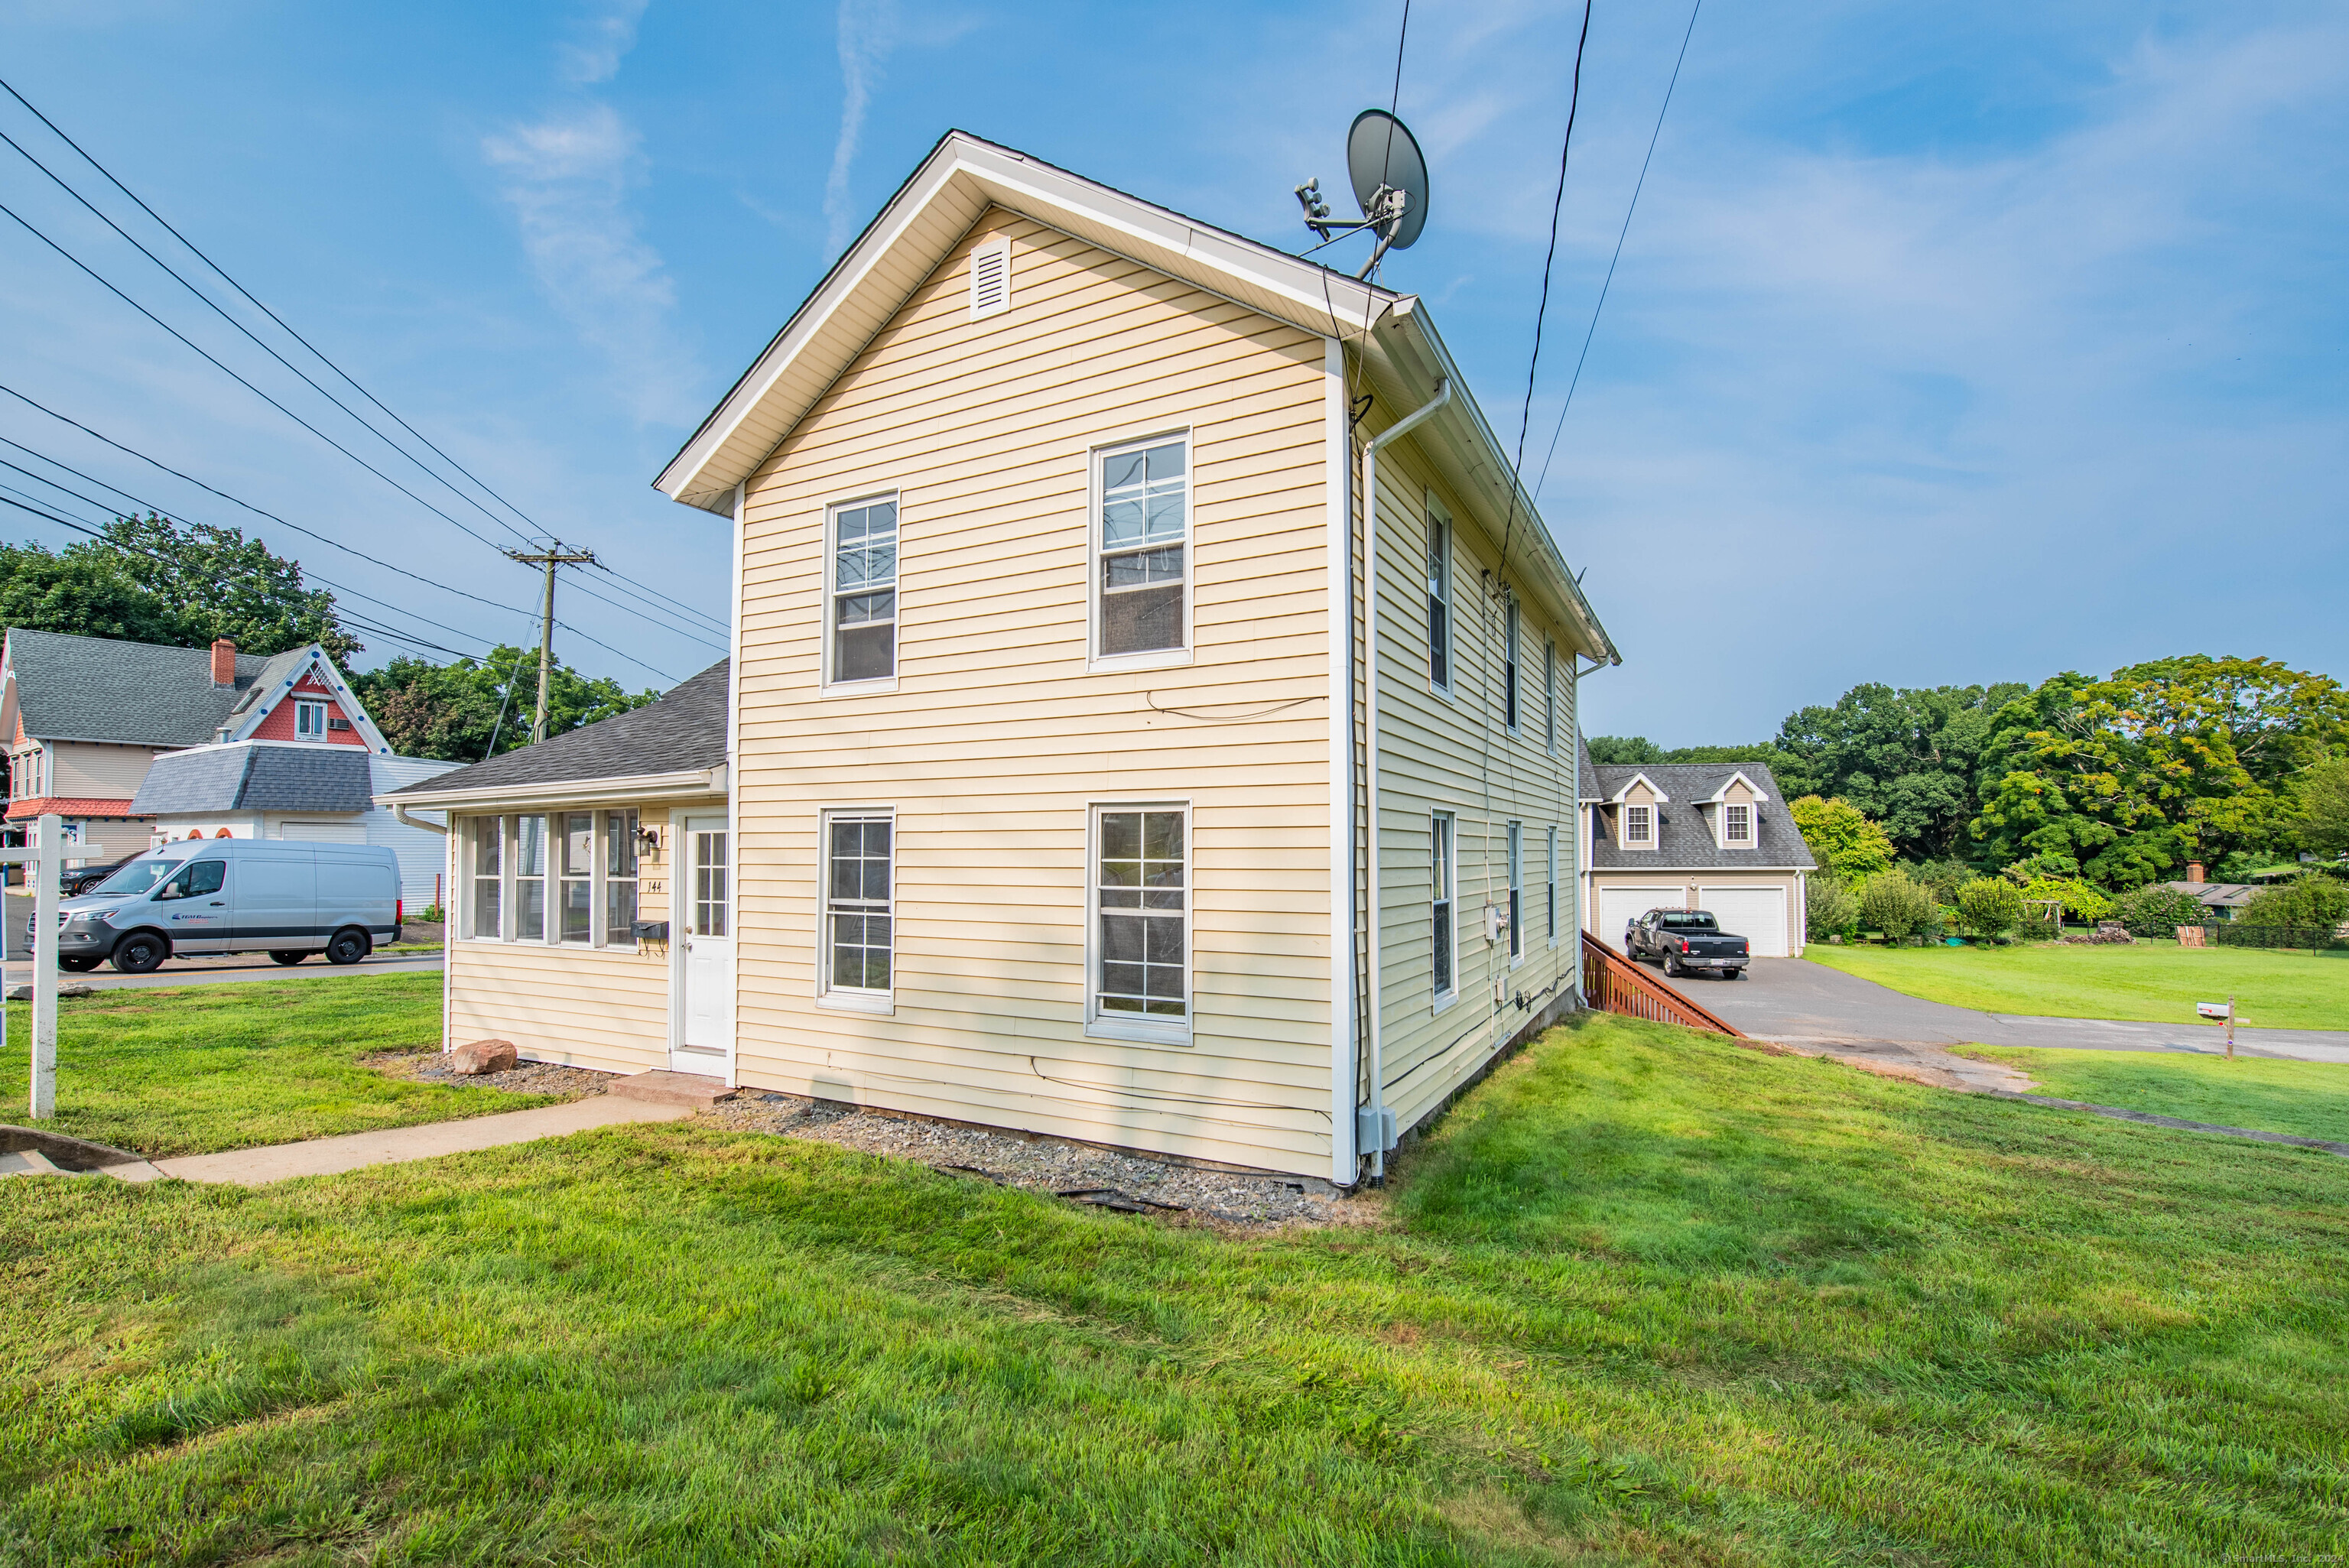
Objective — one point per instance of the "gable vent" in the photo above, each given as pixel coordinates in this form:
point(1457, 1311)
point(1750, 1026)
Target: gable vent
point(990, 278)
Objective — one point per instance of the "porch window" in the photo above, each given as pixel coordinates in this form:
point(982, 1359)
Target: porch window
point(619, 879)
point(489, 884)
point(1142, 968)
point(578, 876)
point(860, 923)
point(1143, 548)
point(862, 592)
point(529, 878)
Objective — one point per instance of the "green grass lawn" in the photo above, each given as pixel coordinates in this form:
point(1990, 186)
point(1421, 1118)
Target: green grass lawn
point(1645, 1297)
point(2157, 982)
point(2309, 1099)
point(207, 1068)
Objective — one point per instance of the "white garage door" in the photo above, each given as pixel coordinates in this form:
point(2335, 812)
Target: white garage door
point(324, 832)
point(1619, 906)
point(1755, 914)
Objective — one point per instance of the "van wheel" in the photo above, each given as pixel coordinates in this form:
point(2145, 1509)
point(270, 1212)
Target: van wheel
point(289, 958)
point(141, 953)
point(349, 946)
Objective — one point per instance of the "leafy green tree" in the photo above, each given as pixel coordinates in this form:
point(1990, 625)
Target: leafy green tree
point(1898, 905)
point(2321, 819)
point(2124, 780)
point(151, 580)
point(1841, 838)
point(454, 711)
point(1906, 758)
point(2083, 901)
point(2157, 910)
point(2317, 901)
point(1990, 906)
point(1638, 749)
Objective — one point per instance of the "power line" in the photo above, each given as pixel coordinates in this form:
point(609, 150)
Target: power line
point(1619, 237)
point(651, 592)
point(1533, 365)
point(678, 631)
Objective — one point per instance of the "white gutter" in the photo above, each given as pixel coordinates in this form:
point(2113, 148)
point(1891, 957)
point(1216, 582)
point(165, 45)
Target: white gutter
point(1401, 427)
point(679, 786)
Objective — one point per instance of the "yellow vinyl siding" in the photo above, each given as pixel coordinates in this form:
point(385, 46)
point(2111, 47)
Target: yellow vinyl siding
point(1440, 753)
point(96, 770)
point(998, 737)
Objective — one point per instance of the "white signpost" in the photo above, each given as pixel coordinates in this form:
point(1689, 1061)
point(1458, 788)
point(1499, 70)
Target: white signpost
point(45, 873)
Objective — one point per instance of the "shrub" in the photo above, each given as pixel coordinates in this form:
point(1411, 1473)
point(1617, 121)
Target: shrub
point(1943, 878)
point(2081, 900)
point(1990, 906)
point(2316, 900)
point(431, 914)
point(1829, 908)
point(1898, 905)
point(2154, 910)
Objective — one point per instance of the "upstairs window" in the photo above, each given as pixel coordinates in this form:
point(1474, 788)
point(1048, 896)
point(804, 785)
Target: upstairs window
point(1142, 546)
point(1549, 696)
point(1509, 664)
point(1439, 604)
point(310, 721)
point(1737, 825)
point(1639, 827)
point(861, 595)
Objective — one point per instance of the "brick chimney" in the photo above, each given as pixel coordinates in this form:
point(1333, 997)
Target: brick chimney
point(224, 667)
point(2194, 871)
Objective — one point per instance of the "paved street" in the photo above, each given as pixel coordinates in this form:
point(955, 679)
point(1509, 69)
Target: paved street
point(233, 968)
point(1799, 1002)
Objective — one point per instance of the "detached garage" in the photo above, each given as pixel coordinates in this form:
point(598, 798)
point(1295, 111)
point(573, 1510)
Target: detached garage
point(1710, 836)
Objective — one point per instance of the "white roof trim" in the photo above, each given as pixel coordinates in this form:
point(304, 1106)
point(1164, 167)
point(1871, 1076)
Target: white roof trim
point(330, 676)
point(1653, 787)
point(689, 785)
point(1719, 796)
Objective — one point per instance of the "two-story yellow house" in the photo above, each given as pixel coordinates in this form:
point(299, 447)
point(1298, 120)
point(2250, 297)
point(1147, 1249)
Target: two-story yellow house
point(1088, 767)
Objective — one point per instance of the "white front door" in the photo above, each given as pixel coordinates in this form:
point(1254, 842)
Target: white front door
point(703, 912)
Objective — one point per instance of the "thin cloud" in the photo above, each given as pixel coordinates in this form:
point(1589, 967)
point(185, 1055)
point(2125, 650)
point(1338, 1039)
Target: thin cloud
point(868, 31)
point(605, 37)
point(567, 178)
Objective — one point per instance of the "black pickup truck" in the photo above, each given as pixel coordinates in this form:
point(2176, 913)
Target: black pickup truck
point(1689, 941)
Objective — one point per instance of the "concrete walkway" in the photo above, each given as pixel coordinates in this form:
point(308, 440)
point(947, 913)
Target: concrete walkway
point(397, 1145)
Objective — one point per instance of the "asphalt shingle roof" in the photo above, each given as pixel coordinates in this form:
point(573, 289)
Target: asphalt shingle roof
point(101, 688)
point(1683, 836)
point(683, 731)
point(256, 776)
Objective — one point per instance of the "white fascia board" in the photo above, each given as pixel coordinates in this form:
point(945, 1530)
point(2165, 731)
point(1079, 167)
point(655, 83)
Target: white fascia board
point(1322, 301)
point(685, 785)
point(1654, 788)
point(329, 675)
point(1721, 794)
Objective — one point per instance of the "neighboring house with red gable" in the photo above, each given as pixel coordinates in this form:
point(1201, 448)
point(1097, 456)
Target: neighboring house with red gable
point(86, 717)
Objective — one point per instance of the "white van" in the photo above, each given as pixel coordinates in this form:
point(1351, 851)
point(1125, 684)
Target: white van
point(287, 898)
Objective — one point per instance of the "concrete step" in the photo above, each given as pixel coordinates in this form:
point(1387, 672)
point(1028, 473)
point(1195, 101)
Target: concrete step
point(664, 1087)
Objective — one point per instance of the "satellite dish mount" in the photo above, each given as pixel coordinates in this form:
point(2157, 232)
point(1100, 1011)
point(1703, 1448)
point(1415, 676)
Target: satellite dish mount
point(1390, 179)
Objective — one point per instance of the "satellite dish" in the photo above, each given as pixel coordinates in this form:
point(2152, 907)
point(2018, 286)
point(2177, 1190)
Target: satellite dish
point(1383, 157)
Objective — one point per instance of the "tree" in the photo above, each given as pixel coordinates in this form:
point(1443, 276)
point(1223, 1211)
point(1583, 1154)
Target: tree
point(453, 711)
point(1897, 905)
point(2317, 901)
point(1829, 908)
point(1639, 749)
point(151, 580)
point(2158, 910)
point(1841, 838)
point(1990, 906)
point(2124, 780)
point(1906, 758)
point(2321, 821)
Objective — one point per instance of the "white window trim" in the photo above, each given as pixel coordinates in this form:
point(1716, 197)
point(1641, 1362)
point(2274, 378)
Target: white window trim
point(1451, 852)
point(999, 247)
point(1550, 695)
point(826, 686)
point(1438, 517)
point(1513, 869)
point(1549, 887)
point(1623, 835)
point(1157, 658)
point(507, 825)
point(1512, 645)
point(850, 999)
point(1101, 1025)
point(326, 712)
point(1720, 826)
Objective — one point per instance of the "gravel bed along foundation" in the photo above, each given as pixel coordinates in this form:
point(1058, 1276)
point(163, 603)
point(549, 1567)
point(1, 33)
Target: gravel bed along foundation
point(1131, 1183)
point(524, 1078)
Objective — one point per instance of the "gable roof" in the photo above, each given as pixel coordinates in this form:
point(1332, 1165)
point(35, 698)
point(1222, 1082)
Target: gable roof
point(1637, 776)
point(1402, 358)
point(256, 775)
point(68, 687)
point(1684, 838)
point(681, 733)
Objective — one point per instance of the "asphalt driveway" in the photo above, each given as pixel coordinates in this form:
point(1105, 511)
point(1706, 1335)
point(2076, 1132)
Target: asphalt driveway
point(1798, 1003)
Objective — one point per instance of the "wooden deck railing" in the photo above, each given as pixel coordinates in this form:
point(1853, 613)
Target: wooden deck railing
point(1613, 983)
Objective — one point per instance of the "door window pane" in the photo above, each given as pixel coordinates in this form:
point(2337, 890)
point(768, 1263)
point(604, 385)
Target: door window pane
point(858, 913)
point(529, 878)
point(1144, 555)
point(1141, 891)
point(709, 907)
point(865, 592)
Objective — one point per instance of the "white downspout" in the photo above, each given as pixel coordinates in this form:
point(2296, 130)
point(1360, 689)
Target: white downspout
point(1584, 834)
point(1370, 734)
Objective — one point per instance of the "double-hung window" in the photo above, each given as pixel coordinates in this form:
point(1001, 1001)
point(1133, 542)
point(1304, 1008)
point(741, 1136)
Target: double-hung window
point(1142, 546)
point(1639, 827)
point(1737, 825)
point(1549, 696)
point(1439, 602)
point(309, 720)
point(488, 881)
point(1142, 937)
point(861, 601)
point(619, 879)
point(1549, 896)
point(859, 911)
point(1509, 664)
point(1516, 842)
point(1439, 916)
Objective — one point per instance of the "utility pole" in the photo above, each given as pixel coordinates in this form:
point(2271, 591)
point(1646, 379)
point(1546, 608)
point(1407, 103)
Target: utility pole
point(552, 557)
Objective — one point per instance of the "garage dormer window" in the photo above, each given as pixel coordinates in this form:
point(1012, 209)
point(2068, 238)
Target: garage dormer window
point(310, 721)
point(1639, 827)
point(1736, 825)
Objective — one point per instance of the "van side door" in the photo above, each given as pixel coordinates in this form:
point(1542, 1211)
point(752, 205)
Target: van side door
point(193, 907)
point(277, 900)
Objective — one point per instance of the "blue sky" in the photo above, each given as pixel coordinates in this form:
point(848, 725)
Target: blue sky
point(1950, 345)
